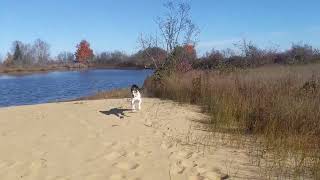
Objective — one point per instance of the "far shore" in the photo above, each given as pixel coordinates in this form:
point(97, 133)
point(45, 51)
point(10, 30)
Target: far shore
point(46, 69)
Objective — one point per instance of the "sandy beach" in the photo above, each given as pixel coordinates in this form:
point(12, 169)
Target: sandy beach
point(103, 139)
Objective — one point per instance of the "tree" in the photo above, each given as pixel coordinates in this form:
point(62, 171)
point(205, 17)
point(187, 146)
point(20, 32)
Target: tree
point(177, 30)
point(184, 53)
point(17, 55)
point(147, 43)
point(41, 51)
point(103, 58)
point(23, 54)
point(184, 57)
point(1, 60)
point(300, 53)
point(84, 52)
point(190, 52)
point(250, 52)
point(176, 26)
point(65, 57)
point(151, 57)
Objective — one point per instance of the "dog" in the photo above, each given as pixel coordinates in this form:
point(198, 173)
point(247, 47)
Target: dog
point(135, 97)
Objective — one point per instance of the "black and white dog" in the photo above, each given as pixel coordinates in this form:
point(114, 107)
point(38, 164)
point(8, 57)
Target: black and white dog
point(136, 97)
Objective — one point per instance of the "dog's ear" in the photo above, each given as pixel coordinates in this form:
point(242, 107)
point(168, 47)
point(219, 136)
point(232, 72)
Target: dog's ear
point(132, 87)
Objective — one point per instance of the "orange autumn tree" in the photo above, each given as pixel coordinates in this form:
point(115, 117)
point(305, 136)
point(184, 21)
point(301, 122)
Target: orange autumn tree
point(84, 52)
point(190, 51)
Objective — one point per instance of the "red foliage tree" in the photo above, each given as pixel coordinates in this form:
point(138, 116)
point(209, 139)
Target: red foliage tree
point(190, 51)
point(84, 52)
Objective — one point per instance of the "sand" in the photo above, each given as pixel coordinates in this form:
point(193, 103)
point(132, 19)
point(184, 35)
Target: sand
point(103, 139)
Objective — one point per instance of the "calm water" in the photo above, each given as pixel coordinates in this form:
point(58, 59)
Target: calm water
point(53, 86)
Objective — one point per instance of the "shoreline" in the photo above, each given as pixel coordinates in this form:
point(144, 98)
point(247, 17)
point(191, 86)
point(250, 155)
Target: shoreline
point(120, 93)
point(40, 70)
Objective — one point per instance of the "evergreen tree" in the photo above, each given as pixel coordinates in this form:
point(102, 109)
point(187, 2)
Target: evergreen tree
point(17, 56)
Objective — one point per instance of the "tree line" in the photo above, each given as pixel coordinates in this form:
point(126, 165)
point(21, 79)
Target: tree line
point(245, 54)
point(38, 54)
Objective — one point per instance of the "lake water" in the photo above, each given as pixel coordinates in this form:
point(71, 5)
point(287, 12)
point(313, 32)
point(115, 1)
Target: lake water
point(56, 86)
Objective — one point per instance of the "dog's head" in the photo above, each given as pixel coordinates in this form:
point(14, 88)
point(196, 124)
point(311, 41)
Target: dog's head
point(134, 89)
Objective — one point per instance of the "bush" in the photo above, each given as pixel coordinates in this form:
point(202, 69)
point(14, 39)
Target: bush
point(252, 56)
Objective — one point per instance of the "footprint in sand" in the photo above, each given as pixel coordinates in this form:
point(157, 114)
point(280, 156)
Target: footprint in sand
point(158, 133)
point(115, 155)
point(144, 153)
point(181, 165)
point(109, 144)
point(188, 163)
point(177, 168)
point(134, 154)
point(201, 169)
point(166, 146)
point(117, 146)
point(148, 123)
point(209, 173)
point(3, 165)
point(127, 165)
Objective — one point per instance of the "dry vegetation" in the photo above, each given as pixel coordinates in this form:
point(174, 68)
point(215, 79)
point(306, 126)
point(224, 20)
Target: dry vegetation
point(279, 106)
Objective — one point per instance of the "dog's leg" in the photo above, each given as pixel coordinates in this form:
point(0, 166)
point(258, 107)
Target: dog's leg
point(133, 105)
point(140, 101)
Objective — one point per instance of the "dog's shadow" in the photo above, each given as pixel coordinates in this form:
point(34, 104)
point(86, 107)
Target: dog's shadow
point(119, 112)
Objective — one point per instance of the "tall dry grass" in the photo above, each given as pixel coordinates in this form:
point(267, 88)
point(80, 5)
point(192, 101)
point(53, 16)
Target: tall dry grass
point(278, 105)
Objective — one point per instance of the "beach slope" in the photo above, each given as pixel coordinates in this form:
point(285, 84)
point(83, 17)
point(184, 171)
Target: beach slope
point(103, 139)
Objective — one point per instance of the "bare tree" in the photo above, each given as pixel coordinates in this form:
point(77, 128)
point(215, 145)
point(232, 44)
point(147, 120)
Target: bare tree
point(176, 29)
point(148, 43)
point(176, 26)
point(41, 51)
point(227, 53)
point(65, 57)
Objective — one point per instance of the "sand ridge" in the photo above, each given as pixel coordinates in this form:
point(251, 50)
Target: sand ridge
point(103, 139)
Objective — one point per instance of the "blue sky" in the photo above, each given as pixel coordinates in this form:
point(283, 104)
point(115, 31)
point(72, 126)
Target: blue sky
point(115, 25)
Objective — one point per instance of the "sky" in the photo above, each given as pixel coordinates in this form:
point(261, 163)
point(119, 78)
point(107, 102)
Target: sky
point(116, 24)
